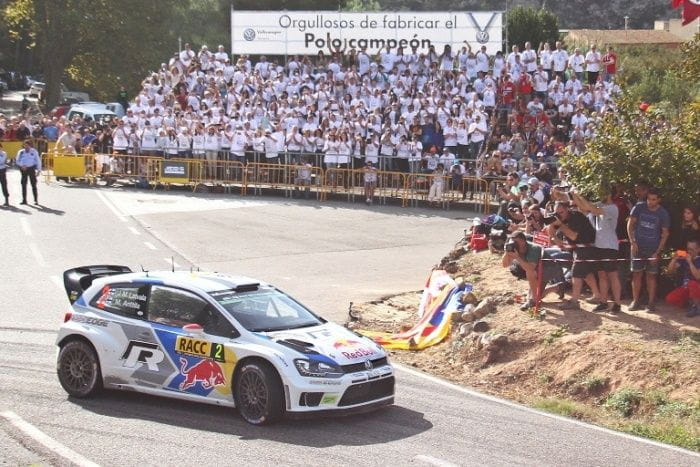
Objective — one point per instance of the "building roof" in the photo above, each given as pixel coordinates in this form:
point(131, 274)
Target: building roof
point(623, 36)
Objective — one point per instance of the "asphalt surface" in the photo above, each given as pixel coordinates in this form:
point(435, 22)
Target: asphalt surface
point(324, 254)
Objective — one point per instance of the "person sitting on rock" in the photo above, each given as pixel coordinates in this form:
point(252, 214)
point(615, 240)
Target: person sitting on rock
point(522, 257)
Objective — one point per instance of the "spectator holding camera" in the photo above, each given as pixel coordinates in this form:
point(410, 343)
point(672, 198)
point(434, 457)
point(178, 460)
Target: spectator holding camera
point(648, 230)
point(579, 235)
point(525, 255)
point(687, 263)
point(604, 215)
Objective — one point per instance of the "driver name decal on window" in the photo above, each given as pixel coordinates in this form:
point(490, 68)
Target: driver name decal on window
point(200, 348)
point(126, 300)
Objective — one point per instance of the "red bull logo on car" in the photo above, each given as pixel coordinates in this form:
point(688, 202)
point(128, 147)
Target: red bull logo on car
point(353, 349)
point(207, 372)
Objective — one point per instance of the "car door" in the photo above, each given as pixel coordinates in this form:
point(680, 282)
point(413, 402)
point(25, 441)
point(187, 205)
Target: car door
point(194, 335)
point(129, 351)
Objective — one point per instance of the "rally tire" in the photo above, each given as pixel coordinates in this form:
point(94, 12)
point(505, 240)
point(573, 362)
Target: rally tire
point(258, 393)
point(79, 370)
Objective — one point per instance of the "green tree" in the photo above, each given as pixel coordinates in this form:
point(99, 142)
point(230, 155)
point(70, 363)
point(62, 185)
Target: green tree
point(632, 145)
point(361, 5)
point(90, 39)
point(530, 24)
point(661, 145)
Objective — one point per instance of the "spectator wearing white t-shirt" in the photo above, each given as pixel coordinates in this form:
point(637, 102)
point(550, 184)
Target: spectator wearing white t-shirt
point(560, 61)
point(545, 55)
point(593, 61)
point(477, 134)
point(577, 62)
point(529, 58)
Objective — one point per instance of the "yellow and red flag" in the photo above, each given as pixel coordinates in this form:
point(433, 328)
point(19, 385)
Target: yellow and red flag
point(435, 318)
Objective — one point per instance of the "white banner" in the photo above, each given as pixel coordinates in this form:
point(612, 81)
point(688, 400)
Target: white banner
point(307, 32)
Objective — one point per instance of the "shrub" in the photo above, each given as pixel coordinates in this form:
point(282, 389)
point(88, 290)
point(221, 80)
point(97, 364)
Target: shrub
point(625, 401)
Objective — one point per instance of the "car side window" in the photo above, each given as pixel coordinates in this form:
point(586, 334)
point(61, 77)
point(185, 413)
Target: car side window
point(126, 300)
point(175, 307)
point(216, 324)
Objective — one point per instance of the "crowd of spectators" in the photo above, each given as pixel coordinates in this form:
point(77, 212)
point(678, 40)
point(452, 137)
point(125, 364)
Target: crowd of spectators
point(400, 110)
point(563, 240)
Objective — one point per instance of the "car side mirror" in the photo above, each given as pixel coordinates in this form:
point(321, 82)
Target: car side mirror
point(193, 329)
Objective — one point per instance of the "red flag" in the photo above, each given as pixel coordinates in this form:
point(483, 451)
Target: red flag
point(691, 9)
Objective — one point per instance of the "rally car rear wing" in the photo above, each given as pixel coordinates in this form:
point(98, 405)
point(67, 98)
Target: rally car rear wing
point(77, 280)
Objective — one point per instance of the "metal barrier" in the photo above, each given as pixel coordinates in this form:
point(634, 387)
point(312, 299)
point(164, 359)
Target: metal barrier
point(228, 174)
point(447, 190)
point(12, 147)
point(111, 168)
point(298, 179)
point(293, 179)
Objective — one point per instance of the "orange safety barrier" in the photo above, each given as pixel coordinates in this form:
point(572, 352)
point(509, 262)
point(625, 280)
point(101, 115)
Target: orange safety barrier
point(112, 168)
point(448, 190)
point(293, 179)
point(352, 182)
point(227, 174)
point(426, 187)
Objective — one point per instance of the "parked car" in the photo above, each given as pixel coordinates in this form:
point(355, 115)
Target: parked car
point(38, 88)
point(63, 107)
point(96, 113)
point(15, 80)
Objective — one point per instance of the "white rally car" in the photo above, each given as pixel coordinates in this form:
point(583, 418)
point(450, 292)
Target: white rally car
point(213, 338)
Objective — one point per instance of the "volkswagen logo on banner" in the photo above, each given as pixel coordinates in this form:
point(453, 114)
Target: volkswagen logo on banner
point(249, 34)
point(482, 37)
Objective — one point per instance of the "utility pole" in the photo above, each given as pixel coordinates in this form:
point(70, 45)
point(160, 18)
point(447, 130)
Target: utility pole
point(505, 26)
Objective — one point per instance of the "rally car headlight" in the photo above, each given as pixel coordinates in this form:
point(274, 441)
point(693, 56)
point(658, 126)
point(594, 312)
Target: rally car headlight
point(316, 369)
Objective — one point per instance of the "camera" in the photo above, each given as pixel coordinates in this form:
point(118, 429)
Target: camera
point(549, 220)
point(510, 247)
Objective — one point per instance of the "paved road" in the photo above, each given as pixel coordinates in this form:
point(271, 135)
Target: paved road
point(325, 254)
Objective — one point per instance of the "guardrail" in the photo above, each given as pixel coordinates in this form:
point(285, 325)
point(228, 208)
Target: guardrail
point(299, 179)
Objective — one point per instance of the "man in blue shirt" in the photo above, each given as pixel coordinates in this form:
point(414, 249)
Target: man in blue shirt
point(648, 229)
point(29, 163)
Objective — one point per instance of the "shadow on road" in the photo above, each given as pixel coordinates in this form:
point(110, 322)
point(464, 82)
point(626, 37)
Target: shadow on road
point(384, 425)
point(48, 210)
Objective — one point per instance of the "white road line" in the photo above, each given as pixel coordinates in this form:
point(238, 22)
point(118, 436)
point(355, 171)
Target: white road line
point(434, 461)
point(25, 226)
point(111, 206)
point(37, 254)
point(170, 262)
point(470, 392)
point(134, 231)
point(58, 282)
point(47, 441)
point(150, 245)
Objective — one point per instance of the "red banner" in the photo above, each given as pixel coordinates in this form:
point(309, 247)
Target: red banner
point(691, 9)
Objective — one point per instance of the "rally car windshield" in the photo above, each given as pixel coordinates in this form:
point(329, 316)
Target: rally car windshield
point(265, 309)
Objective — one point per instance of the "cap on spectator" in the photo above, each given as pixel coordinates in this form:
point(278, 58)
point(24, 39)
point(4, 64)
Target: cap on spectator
point(533, 181)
